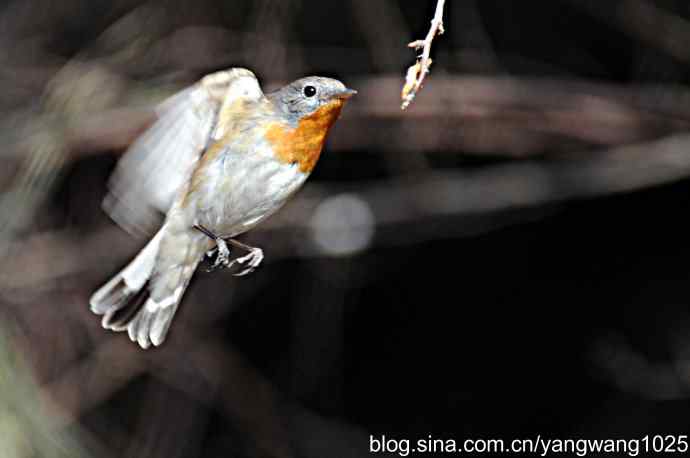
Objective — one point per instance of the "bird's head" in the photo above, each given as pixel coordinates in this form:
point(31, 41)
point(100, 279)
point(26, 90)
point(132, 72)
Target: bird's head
point(307, 96)
point(307, 109)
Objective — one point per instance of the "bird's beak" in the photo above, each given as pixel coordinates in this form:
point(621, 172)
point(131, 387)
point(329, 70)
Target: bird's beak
point(345, 93)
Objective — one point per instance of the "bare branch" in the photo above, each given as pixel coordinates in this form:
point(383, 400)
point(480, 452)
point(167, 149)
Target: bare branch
point(417, 72)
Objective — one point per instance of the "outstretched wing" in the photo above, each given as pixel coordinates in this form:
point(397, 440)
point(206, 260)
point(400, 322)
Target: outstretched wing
point(149, 175)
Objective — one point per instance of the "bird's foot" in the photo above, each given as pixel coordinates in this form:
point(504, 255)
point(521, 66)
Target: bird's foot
point(251, 261)
point(218, 256)
point(220, 251)
point(223, 254)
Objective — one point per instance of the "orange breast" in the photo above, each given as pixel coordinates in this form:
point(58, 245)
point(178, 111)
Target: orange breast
point(302, 145)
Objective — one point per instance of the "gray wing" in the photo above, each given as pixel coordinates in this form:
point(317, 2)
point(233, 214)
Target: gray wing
point(160, 161)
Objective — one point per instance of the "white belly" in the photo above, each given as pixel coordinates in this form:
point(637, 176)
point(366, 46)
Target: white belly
point(243, 190)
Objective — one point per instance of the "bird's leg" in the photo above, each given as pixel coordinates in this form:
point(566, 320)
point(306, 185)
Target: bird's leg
point(251, 260)
point(223, 256)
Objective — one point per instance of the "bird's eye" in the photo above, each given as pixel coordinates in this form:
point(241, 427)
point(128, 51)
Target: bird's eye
point(309, 91)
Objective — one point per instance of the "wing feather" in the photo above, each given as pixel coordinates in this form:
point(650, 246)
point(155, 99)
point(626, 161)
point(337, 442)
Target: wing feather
point(161, 160)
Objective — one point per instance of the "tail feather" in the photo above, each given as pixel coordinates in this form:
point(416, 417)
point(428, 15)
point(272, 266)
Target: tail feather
point(110, 296)
point(117, 318)
point(151, 323)
point(115, 294)
point(144, 296)
point(122, 298)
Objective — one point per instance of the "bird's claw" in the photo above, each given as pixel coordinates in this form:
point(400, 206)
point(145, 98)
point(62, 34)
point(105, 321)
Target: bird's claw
point(251, 261)
point(223, 256)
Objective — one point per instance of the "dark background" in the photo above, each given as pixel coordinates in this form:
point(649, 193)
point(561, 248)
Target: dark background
point(563, 313)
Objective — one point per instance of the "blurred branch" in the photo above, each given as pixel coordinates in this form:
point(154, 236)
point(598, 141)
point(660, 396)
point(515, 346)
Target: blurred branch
point(501, 116)
point(417, 72)
point(510, 116)
point(480, 196)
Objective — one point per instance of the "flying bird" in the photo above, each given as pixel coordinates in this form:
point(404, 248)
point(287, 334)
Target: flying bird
point(221, 157)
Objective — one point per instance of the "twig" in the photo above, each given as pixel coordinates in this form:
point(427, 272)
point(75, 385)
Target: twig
point(417, 72)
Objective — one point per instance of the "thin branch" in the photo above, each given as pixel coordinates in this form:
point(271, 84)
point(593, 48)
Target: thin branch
point(417, 72)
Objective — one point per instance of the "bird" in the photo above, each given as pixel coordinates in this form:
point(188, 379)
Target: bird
point(221, 157)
